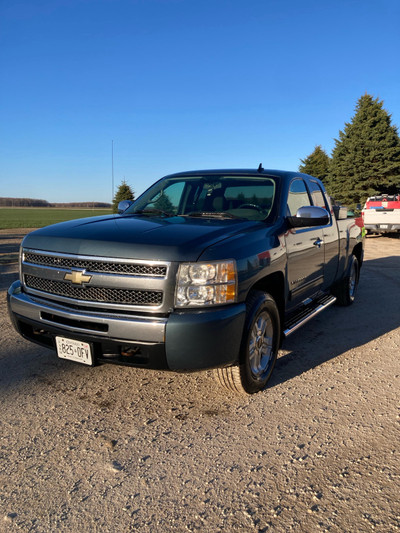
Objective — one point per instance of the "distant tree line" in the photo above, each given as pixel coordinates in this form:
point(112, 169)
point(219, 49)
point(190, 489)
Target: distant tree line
point(365, 160)
point(33, 202)
point(90, 205)
point(23, 202)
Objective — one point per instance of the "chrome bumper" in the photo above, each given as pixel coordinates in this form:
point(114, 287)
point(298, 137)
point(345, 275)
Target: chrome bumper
point(122, 327)
point(186, 340)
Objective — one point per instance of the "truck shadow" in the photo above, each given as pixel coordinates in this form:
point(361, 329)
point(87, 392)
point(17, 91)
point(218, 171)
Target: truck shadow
point(375, 312)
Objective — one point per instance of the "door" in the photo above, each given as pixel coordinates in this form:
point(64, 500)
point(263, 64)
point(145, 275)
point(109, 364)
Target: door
point(305, 250)
point(331, 237)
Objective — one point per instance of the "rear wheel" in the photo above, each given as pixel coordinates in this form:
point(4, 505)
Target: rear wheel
point(347, 287)
point(259, 347)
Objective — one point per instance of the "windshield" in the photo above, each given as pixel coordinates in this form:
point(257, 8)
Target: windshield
point(245, 197)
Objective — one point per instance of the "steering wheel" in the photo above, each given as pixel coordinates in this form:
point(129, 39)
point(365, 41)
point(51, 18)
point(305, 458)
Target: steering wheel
point(251, 206)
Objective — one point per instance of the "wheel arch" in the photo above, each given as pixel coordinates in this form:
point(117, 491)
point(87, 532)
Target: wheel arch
point(358, 253)
point(273, 284)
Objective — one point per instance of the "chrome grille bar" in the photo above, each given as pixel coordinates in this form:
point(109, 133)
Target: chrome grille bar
point(108, 266)
point(98, 282)
point(95, 294)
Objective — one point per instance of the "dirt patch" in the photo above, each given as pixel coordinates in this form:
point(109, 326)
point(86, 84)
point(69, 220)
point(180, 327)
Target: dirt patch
point(119, 449)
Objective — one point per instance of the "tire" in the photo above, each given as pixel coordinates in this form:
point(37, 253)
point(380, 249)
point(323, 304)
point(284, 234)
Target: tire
point(259, 347)
point(346, 289)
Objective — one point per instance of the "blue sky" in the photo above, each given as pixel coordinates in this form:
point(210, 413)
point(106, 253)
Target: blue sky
point(180, 85)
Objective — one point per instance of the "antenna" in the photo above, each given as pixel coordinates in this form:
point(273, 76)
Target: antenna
point(260, 168)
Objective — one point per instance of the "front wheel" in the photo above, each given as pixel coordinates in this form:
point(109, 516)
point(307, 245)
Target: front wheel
point(259, 347)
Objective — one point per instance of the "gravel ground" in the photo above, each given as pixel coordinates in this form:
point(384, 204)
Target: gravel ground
point(117, 449)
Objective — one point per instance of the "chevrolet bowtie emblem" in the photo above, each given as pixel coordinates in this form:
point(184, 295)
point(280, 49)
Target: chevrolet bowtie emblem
point(77, 277)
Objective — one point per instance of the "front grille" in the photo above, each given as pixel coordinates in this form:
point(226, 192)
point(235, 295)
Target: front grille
point(93, 265)
point(95, 294)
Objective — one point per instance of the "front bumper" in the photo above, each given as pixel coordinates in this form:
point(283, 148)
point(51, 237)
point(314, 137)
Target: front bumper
point(183, 340)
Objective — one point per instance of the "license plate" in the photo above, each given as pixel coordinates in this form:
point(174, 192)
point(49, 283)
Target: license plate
point(74, 350)
point(384, 226)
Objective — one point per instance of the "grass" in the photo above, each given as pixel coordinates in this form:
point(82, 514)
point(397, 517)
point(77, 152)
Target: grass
point(37, 217)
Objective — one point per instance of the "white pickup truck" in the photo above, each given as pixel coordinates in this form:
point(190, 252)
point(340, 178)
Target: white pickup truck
point(381, 214)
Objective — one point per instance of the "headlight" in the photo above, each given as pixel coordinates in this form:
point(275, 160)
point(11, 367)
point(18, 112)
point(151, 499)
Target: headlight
point(206, 284)
point(21, 258)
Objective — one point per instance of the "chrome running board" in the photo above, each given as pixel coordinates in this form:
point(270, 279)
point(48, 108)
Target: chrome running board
point(307, 314)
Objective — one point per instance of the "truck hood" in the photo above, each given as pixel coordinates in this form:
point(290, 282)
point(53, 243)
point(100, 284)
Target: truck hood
point(136, 237)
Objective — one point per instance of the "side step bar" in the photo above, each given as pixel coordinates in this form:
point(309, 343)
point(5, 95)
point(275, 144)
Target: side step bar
point(308, 313)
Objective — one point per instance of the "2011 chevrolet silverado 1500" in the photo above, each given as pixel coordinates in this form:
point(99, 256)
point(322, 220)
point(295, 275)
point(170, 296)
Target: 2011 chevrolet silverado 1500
point(206, 269)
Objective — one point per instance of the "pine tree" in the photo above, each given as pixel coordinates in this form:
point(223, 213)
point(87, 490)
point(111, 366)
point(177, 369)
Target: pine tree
point(366, 157)
point(316, 164)
point(124, 192)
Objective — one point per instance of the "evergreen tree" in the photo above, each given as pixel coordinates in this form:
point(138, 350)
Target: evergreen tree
point(124, 192)
point(316, 164)
point(366, 157)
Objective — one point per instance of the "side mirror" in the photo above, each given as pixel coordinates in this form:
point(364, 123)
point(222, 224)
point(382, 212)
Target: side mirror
point(123, 205)
point(309, 216)
point(340, 212)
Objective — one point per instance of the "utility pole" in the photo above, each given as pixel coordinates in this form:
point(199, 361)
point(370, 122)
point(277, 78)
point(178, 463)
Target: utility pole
point(112, 172)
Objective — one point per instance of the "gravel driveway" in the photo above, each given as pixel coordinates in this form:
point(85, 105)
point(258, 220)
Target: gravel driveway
point(117, 449)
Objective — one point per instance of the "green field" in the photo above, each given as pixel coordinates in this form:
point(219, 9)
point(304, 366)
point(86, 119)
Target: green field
point(37, 217)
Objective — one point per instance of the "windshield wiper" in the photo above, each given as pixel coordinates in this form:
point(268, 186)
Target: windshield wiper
point(211, 214)
point(152, 211)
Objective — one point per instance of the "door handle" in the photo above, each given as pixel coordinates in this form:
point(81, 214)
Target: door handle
point(318, 242)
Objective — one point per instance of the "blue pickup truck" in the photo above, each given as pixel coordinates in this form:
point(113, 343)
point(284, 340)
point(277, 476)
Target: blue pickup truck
point(206, 269)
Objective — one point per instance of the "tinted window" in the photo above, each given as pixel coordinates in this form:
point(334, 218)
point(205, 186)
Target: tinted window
point(298, 196)
point(247, 197)
point(167, 199)
point(255, 195)
point(316, 194)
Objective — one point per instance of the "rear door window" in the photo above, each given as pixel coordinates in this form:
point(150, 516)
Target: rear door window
point(318, 198)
